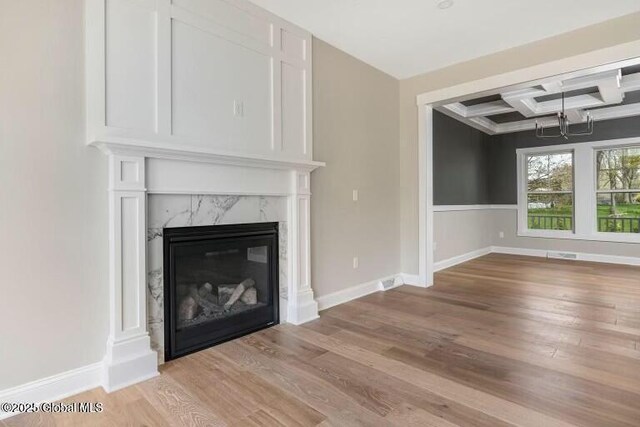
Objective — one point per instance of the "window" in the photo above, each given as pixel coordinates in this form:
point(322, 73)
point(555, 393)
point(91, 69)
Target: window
point(585, 191)
point(618, 190)
point(550, 191)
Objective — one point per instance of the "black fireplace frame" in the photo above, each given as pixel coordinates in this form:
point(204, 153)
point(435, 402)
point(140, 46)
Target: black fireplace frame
point(196, 235)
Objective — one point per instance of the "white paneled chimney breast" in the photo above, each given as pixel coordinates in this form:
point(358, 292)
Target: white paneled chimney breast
point(203, 99)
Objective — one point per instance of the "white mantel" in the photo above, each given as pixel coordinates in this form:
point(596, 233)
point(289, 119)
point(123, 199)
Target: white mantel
point(194, 97)
point(131, 178)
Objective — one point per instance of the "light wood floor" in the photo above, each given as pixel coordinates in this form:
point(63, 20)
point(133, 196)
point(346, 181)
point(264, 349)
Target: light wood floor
point(501, 340)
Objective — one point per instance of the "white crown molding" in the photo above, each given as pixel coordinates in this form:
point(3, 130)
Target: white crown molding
point(142, 148)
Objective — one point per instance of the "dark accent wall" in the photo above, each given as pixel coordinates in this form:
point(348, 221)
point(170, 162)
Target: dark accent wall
point(472, 168)
point(460, 175)
point(502, 153)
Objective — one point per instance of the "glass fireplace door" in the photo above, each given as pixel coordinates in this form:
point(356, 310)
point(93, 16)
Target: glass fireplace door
point(221, 283)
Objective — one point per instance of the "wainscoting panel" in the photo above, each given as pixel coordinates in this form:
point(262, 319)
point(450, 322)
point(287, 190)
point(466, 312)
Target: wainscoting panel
point(214, 76)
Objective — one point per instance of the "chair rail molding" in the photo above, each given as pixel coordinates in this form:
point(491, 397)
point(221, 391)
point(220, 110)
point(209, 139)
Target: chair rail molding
point(170, 125)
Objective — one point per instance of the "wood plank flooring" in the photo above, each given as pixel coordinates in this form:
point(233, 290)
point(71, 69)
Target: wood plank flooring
point(500, 340)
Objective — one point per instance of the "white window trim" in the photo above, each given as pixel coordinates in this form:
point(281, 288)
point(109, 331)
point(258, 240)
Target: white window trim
point(584, 200)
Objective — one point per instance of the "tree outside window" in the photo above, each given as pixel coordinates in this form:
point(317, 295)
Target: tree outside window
point(618, 190)
point(550, 191)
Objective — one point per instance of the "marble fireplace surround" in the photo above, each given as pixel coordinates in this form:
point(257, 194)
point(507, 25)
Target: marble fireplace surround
point(151, 188)
point(185, 210)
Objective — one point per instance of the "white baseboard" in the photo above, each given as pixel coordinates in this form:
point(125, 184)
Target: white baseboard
point(609, 259)
point(55, 387)
point(412, 280)
point(541, 253)
point(353, 292)
point(124, 373)
point(128, 361)
point(519, 251)
point(302, 307)
point(581, 256)
point(441, 265)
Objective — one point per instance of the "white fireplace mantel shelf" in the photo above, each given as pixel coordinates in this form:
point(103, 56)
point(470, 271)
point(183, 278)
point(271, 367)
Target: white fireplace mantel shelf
point(142, 148)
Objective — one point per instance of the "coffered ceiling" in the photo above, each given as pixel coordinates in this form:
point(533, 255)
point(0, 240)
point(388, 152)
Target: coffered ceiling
point(604, 95)
point(409, 37)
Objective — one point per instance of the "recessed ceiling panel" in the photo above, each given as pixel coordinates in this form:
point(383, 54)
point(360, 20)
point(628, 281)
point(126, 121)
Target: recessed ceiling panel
point(569, 94)
point(508, 117)
point(482, 100)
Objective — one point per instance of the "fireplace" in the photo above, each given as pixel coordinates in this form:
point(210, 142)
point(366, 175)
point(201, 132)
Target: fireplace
point(221, 282)
point(141, 180)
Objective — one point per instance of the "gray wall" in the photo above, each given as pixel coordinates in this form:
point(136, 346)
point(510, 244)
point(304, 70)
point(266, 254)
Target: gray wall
point(472, 168)
point(502, 152)
point(461, 159)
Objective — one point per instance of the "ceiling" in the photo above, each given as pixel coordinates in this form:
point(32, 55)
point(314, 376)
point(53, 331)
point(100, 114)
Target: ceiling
point(409, 37)
point(604, 93)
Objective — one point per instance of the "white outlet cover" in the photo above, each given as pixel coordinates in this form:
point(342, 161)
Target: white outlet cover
point(238, 108)
point(355, 262)
point(355, 195)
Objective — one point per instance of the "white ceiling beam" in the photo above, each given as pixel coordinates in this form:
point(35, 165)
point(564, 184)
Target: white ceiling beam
point(601, 114)
point(525, 106)
point(576, 116)
point(571, 103)
point(489, 109)
point(554, 86)
point(487, 126)
point(523, 100)
point(479, 110)
point(592, 80)
point(616, 112)
point(457, 108)
point(630, 82)
point(611, 89)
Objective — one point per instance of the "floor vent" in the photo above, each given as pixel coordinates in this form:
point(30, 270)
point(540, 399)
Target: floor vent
point(387, 284)
point(562, 255)
point(391, 283)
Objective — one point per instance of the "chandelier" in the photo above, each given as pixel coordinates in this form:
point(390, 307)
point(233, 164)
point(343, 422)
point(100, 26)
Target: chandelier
point(564, 123)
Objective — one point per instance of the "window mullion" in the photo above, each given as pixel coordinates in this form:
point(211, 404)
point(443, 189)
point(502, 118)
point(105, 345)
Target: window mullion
point(584, 190)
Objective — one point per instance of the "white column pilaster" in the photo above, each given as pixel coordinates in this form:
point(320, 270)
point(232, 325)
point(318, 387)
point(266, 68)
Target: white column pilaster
point(302, 307)
point(129, 357)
